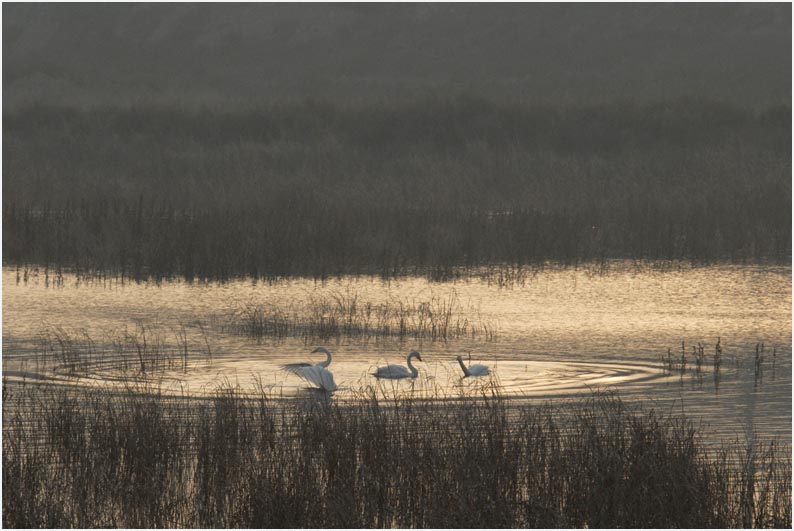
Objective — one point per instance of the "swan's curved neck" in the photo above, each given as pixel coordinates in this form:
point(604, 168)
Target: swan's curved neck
point(414, 370)
point(463, 366)
point(327, 361)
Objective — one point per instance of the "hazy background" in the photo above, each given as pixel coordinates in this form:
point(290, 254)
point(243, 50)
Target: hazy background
point(90, 54)
point(223, 140)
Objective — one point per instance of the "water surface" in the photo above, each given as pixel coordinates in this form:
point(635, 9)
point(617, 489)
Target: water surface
point(562, 334)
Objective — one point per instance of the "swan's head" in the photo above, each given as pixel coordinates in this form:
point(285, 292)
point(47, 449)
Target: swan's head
point(320, 349)
point(415, 354)
point(459, 358)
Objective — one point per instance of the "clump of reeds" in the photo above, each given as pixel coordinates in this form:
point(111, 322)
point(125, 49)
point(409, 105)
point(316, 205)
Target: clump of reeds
point(670, 364)
point(717, 364)
point(144, 349)
point(683, 358)
point(699, 353)
point(72, 350)
point(758, 363)
point(90, 458)
point(344, 315)
point(510, 275)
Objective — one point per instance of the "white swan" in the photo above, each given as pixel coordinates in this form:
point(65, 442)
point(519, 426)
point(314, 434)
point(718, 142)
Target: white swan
point(294, 368)
point(318, 374)
point(474, 370)
point(397, 372)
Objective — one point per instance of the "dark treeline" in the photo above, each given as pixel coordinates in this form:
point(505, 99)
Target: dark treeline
point(317, 190)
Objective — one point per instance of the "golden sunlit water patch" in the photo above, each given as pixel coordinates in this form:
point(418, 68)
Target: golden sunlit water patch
point(562, 333)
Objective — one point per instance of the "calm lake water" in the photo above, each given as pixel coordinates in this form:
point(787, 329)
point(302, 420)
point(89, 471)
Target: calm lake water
point(561, 334)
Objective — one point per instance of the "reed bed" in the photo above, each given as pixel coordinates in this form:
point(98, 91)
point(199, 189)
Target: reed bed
point(92, 458)
point(338, 315)
point(438, 188)
point(145, 349)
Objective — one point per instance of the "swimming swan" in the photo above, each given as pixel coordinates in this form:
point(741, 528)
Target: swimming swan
point(474, 370)
point(397, 372)
point(318, 374)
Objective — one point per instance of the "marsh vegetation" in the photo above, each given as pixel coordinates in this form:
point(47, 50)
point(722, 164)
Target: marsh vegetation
point(338, 315)
point(92, 458)
point(438, 187)
point(146, 348)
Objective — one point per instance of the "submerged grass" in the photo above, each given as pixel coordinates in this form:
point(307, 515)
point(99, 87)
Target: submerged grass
point(345, 315)
point(90, 458)
point(696, 364)
point(697, 361)
point(145, 349)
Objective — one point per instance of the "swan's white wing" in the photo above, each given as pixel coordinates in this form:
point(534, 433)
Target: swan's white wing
point(295, 368)
point(392, 372)
point(310, 374)
point(319, 376)
point(327, 380)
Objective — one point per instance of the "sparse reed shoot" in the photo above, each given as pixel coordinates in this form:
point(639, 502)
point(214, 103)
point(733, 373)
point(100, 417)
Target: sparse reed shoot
point(143, 350)
point(670, 364)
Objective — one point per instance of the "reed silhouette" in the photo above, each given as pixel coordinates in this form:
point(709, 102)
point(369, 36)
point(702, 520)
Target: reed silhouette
point(135, 458)
point(437, 187)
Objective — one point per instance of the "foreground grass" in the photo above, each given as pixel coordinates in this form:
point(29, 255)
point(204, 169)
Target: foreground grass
point(86, 458)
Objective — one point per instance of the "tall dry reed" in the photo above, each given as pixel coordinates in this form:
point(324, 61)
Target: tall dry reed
point(90, 458)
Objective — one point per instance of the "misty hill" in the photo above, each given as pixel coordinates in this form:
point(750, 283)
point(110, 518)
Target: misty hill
point(87, 54)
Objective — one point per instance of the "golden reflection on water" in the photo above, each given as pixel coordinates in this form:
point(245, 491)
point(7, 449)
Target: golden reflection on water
point(564, 332)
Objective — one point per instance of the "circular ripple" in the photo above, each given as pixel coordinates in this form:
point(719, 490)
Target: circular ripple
point(529, 379)
point(552, 379)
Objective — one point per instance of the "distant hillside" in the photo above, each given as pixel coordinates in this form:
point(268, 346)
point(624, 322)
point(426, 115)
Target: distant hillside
point(243, 54)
